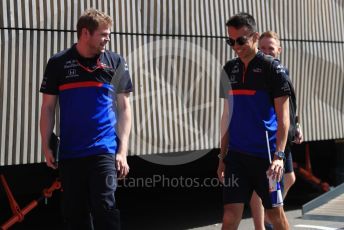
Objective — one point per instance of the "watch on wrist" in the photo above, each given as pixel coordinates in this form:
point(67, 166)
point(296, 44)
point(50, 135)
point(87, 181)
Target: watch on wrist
point(280, 155)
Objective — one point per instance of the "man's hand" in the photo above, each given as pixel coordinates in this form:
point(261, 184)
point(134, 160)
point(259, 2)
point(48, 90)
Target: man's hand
point(50, 160)
point(276, 169)
point(298, 139)
point(221, 171)
point(122, 165)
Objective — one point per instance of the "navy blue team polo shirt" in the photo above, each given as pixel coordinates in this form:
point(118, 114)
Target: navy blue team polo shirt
point(87, 89)
point(250, 94)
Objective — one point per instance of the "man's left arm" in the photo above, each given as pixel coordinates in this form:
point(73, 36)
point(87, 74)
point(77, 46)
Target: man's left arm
point(123, 131)
point(282, 111)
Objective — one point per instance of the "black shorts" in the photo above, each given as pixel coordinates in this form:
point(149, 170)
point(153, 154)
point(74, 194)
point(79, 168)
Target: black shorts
point(288, 165)
point(243, 174)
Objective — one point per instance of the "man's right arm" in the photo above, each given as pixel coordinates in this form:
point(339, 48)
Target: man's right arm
point(47, 125)
point(224, 141)
point(224, 88)
point(224, 129)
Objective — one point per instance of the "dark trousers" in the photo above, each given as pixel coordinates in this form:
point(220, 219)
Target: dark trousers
point(89, 186)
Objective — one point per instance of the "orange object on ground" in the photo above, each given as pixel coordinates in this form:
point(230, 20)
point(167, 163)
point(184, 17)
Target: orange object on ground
point(307, 173)
point(18, 214)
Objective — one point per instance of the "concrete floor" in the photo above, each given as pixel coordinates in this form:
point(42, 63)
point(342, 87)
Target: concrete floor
point(295, 222)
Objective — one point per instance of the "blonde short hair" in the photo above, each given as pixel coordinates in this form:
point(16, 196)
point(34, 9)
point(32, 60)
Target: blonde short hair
point(91, 19)
point(270, 34)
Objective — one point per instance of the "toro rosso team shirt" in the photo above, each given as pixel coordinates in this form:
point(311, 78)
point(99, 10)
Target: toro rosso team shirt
point(86, 88)
point(250, 93)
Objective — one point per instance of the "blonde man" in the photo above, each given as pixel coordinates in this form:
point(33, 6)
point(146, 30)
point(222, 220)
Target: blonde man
point(92, 86)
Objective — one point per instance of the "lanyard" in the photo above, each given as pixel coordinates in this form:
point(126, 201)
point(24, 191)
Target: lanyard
point(98, 66)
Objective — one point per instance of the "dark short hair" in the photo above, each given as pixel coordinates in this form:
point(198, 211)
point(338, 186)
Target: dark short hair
point(242, 19)
point(91, 19)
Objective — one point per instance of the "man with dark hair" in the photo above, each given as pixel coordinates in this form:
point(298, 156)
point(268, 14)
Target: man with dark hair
point(257, 99)
point(92, 86)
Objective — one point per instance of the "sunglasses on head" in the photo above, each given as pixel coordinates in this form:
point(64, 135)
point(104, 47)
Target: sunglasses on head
point(239, 41)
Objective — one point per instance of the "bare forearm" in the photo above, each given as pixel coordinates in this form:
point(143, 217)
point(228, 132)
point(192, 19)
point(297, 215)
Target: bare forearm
point(47, 123)
point(224, 130)
point(224, 135)
point(282, 135)
point(123, 129)
point(282, 111)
